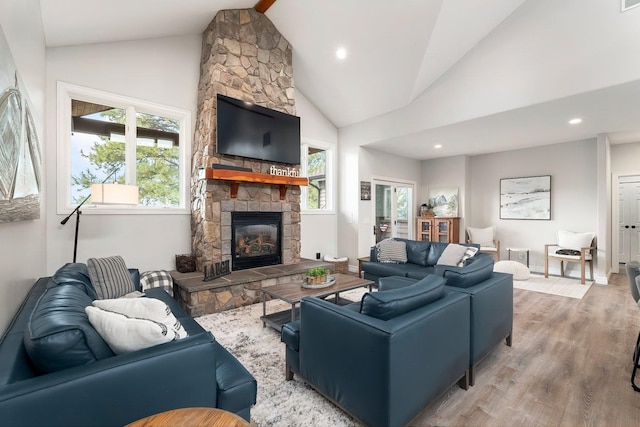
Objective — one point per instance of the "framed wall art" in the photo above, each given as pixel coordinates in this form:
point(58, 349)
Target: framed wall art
point(525, 198)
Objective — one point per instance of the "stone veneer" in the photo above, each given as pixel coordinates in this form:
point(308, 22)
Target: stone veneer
point(244, 57)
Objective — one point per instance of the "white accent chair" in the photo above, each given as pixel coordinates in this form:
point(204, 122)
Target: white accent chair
point(571, 247)
point(486, 238)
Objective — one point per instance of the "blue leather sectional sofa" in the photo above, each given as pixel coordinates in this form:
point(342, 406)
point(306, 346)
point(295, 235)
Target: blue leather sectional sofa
point(103, 389)
point(383, 359)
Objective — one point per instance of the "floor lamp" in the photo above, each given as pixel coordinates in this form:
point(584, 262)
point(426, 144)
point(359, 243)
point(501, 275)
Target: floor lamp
point(104, 194)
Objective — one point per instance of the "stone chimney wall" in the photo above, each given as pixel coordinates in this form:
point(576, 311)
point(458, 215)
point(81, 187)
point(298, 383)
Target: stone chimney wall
point(244, 57)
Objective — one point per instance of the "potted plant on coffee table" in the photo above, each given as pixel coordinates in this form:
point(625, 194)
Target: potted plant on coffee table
point(317, 275)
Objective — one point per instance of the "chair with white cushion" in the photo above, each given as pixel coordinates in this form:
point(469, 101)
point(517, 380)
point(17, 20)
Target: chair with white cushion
point(486, 238)
point(571, 247)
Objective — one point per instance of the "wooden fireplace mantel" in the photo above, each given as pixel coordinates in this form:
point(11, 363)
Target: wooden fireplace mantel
point(236, 177)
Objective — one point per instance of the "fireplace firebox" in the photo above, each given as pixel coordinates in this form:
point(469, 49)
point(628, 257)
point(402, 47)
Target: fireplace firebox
point(255, 239)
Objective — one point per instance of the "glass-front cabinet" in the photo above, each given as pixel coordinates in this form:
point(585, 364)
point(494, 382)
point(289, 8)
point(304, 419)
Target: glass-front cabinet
point(444, 230)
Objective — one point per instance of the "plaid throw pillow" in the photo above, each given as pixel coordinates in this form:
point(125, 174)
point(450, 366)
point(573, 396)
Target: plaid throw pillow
point(157, 279)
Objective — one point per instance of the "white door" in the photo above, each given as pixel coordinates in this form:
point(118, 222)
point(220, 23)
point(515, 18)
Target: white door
point(629, 220)
point(393, 210)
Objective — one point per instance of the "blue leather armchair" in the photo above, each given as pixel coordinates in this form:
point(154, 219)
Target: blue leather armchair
point(491, 314)
point(382, 372)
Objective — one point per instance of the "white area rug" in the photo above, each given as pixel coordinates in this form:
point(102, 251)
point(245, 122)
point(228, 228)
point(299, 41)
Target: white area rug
point(564, 287)
point(279, 402)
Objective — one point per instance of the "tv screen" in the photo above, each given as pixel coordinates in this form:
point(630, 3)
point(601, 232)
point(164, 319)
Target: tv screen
point(249, 130)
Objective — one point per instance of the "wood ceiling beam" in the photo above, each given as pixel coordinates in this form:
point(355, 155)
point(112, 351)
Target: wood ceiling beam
point(263, 5)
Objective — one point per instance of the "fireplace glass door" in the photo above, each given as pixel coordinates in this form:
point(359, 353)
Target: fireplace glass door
point(256, 239)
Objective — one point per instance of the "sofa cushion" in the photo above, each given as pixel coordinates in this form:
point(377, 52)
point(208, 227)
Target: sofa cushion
point(452, 254)
point(381, 269)
point(75, 274)
point(417, 272)
point(575, 241)
point(143, 308)
point(386, 305)
point(417, 251)
point(110, 277)
point(59, 334)
point(392, 251)
point(435, 250)
point(126, 334)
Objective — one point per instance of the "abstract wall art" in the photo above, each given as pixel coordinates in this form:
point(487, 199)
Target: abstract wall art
point(20, 159)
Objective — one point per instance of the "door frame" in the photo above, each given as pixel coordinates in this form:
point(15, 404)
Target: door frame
point(615, 218)
point(395, 182)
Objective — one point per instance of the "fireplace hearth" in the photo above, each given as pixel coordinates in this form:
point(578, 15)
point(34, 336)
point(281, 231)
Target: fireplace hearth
point(256, 239)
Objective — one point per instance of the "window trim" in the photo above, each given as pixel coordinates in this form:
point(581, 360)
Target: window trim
point(65, 93)
point(330, 148)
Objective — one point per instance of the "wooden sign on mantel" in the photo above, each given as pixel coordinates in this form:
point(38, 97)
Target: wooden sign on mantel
point(235, 177)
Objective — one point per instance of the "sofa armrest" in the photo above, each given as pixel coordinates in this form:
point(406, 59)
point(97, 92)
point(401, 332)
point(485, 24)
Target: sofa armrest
point(394, 282)
point(476, 270)
point(117, 390)
point(384, 372)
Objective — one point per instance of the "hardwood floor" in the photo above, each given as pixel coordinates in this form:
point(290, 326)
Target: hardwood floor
point(570, 365)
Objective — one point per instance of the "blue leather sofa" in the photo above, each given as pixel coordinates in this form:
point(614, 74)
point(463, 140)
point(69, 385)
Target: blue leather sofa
point(103, 389)
point(385, 358)
point(422, 258)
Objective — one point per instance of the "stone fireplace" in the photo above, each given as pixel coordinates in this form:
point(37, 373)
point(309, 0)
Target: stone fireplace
point(244, 57)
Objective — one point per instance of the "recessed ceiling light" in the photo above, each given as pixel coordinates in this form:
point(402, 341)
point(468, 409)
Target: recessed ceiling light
point(437, 146)
point(341, 53)
point(575, 121)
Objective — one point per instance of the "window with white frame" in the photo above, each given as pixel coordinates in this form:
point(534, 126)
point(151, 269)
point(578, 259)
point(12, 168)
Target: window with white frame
point(317, 165)
point(130, 141)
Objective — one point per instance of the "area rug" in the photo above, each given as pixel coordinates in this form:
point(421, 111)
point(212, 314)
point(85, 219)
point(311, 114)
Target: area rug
point(279, 402)
point(571, 288)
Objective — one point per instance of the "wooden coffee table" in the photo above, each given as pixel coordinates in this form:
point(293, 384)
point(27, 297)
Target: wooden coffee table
point(292, 293)
point(192, 417)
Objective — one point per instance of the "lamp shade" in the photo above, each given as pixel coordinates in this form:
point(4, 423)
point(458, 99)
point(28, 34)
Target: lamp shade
point(114, 194)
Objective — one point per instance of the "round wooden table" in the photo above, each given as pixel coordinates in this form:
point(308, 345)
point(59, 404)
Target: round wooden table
point(192, 417)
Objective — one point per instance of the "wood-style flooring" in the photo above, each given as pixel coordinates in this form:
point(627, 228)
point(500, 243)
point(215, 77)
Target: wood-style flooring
point(570, 365)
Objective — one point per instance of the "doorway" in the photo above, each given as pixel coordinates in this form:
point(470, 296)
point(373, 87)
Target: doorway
point(628, 223)
point(393, 202)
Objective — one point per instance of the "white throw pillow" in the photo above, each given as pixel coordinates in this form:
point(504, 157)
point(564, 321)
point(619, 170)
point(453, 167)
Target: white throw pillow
point(452, 254)
point(482, 236)
point(143, 308)
point(124, 334)
point(575, 241)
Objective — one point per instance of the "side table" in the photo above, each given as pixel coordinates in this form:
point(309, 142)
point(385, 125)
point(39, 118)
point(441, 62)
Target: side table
point(509, 250)
point(192, 417)
point(360, 261)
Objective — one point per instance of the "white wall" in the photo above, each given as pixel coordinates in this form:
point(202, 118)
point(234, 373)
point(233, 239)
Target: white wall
point(164, 71)
point(625, 158)
point(374, 164)
point(318, 230)
point(572, 167)
point(448, 172)
point(22, 253)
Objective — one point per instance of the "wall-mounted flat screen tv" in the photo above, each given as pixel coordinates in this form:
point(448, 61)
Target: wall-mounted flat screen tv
point(249, 130)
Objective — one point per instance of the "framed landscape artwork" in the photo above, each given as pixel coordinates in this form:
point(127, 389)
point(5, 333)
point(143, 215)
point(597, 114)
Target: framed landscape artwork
point(444, 201)
point(525, 198)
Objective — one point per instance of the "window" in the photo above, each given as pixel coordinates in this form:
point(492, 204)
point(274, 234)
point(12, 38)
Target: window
point(317, 165)
point(101, 135)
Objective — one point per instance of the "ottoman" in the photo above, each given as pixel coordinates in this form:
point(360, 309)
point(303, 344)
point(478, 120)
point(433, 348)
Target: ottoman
point(518, 270)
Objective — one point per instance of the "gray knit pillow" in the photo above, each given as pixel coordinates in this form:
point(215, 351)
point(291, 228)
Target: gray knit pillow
point(110, 277)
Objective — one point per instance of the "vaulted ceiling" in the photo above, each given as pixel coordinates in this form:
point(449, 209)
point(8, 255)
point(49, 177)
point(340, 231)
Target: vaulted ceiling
point(472, 76)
